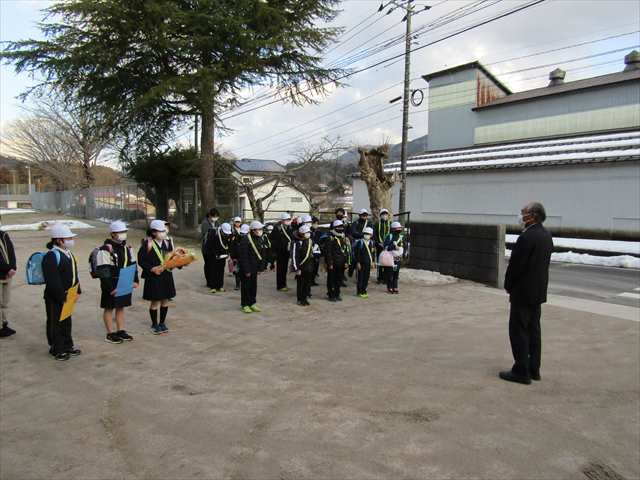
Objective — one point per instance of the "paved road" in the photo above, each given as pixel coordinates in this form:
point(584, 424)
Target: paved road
point(611, 285)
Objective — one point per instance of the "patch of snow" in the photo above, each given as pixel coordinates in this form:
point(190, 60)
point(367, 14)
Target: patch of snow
point(619, 261)
point(425, 277)
point(45, 225)
point(9, 211)
point(586, 244)
point(574, 142)
point(631, 152)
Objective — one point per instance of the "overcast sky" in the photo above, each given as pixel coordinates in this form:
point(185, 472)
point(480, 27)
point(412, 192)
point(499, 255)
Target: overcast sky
point(276, 131)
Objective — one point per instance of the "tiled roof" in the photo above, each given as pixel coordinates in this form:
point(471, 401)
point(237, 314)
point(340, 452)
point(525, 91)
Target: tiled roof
point(567, 87)
point(253, 165)
point(612, 147)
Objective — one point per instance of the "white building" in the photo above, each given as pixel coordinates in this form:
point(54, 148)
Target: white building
point(263, 175)
point(574, 146)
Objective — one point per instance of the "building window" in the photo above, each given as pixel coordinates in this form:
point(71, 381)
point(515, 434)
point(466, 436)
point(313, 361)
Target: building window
point(296, 199)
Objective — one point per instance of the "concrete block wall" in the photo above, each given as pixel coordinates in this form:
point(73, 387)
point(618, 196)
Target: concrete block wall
point(468, 251)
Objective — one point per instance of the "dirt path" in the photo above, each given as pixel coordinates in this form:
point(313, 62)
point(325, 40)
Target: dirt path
point(394, 387)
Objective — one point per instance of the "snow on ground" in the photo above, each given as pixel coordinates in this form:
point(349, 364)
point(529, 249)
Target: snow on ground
point(581, 243)
point(9, 211)
point(620, 261)
point(45, 225)
point(425, 277)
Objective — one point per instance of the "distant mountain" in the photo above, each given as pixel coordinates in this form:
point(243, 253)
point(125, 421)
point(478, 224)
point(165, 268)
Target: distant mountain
point(415, 147)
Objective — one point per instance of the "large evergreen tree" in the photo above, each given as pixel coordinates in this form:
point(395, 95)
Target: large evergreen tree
point(145, 66)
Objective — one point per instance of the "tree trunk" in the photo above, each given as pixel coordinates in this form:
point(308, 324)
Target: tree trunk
point(379, 184)
point(89, 181)
point(161, 202)
point(207, 161)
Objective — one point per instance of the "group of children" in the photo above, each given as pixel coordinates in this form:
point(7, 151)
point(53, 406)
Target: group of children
point(292, 245)
point(296, 245)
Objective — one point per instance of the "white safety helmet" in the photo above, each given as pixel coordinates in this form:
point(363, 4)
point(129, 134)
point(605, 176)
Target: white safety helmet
point(237, 220)
point(244, 229)
point(337, 223)
point(364, 211)
point(384, 210)
point(256, 225)
point(158, 225)
point(368, 230)
point(60, 230)
point(285, 216)
point(269, 228)
point(304, 229)
point(118, 226)
point(226, 228)
point(396, 226)
point(306, 219)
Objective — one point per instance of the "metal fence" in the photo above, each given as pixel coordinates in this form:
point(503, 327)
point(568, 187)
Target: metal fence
point(119, 202)
point(14, 189)
point(130, 202)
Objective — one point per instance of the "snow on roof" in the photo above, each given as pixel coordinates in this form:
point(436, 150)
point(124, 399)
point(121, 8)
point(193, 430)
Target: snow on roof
point(593, 148)
point(258, 166)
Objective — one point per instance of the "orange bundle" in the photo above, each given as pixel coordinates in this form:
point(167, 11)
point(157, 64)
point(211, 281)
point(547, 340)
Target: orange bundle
point(179, 257)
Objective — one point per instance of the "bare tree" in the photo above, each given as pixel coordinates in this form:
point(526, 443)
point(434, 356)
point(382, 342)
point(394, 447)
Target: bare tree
point(257, 203)
point(379, 183)
point(305, 156)
point(59, 140)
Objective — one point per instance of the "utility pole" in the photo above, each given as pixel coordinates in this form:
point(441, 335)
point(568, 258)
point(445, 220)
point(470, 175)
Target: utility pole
point(410, 11)
point(405, 110)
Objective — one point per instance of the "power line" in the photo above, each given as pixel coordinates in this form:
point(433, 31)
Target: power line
point(434, 96)
point(452, 95)
point(350, 74)
point(442, 18)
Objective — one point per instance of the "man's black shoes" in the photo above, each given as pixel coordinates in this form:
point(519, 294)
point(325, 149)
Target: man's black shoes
point(510, 377)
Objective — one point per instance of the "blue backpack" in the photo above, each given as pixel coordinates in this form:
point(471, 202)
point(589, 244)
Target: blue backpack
point(35, 276)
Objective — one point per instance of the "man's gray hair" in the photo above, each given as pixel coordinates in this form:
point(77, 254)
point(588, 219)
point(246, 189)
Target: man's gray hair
point(537, 210)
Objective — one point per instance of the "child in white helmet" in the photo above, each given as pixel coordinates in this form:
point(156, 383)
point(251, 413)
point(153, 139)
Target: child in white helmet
point(60, 270)
point(335, 256)
point(159, 287)
point(364, 254)
point(113, 256)
point(281, 239)
point(303, 263)
point(380, 232)
point(395, 244)
point(217, 248)
point(251, 261)
point(233, 249)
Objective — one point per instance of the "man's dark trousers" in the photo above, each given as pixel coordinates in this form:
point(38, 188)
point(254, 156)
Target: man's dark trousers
point(526, 339)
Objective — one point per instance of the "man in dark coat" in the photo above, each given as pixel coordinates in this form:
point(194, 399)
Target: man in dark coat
point(526, 282)
point(7, 272)
point(209, 223)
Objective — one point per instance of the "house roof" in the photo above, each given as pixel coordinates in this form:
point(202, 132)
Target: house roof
point(253, 165)
point(609, 147)
point(594, 82)
point(468, 66)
